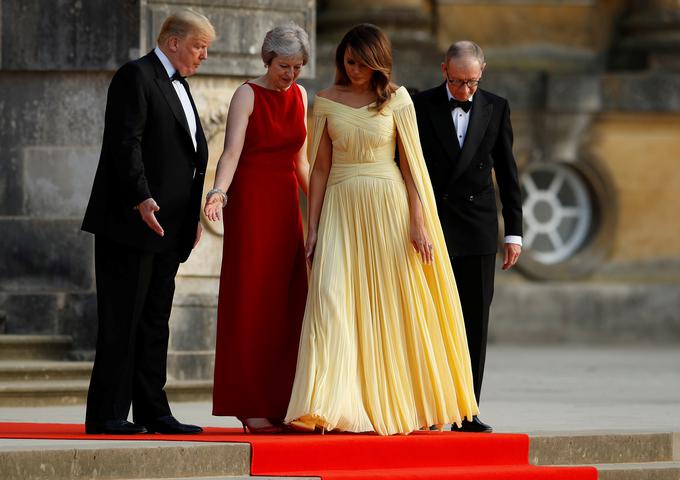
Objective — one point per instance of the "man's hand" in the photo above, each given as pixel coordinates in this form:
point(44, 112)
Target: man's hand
point(199, 231)
point(512, 253)
point(147, 210)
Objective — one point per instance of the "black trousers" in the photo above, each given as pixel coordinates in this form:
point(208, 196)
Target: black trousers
point(475, 278)
point(134, 298)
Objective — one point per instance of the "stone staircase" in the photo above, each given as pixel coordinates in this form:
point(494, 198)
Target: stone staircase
point(617, 456)
point(35, 370)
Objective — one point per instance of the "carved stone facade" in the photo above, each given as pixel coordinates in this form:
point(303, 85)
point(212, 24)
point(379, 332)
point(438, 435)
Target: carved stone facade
point(593, 87)
point(57, 60)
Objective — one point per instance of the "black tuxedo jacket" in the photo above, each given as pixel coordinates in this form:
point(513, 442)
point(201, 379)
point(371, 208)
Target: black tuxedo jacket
point(462, 179)
point(147, 152)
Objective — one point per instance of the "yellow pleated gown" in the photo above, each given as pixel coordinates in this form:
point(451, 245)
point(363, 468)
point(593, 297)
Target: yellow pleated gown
point(383, 344)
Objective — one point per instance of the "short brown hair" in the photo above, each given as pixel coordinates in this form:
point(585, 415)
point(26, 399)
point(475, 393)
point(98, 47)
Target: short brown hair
point(183, 23)
point(373, 49)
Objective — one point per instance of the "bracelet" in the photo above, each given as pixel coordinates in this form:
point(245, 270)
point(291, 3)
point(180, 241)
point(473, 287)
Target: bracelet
point(217, 191)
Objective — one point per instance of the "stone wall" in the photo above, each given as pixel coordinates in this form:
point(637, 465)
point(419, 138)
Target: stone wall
point(593, 91)
point(56, 61)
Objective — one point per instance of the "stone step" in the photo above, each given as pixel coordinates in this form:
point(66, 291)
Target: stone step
point(242, 477)
point(16, 370)
point(639, 471)
point(603, 448)
point(34, 347)
point(142, 461)
point(72, 392)
point(223, 461)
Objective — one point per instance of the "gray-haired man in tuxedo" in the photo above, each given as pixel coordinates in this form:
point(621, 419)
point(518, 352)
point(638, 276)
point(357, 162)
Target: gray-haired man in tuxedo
point(466, 135)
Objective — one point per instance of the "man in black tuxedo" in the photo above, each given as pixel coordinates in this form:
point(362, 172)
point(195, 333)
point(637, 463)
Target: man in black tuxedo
point(144, 213)
point(465, 133)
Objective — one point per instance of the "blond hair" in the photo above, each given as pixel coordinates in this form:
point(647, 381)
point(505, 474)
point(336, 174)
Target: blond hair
point(184, 23)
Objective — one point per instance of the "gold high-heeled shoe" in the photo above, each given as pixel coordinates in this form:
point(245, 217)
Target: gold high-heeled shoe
point(306, 425)
point(302, 426)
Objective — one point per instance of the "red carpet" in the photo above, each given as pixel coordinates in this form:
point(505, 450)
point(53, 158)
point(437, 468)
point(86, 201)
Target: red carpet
point(421, 455)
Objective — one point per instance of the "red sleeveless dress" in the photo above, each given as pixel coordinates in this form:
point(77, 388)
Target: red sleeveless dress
point(263, 283)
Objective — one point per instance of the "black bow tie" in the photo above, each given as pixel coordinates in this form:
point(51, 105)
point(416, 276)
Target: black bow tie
point(466, 105)
point(179, 78)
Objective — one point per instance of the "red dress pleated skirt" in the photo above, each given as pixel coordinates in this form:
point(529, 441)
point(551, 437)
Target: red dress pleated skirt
point(263, 282)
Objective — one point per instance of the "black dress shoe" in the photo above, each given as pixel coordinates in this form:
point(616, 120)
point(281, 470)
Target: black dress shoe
point(474, 426)
point(114, 427)
point(169, 425)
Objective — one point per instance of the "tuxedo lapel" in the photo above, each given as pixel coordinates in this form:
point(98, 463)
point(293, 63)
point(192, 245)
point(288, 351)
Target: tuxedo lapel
point(201, 142)
point(165, 86)
point(173, 102)
point(479, 120)
point(443, 122)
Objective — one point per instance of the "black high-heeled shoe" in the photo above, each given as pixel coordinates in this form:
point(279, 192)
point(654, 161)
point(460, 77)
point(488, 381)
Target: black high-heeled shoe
point(259, 425)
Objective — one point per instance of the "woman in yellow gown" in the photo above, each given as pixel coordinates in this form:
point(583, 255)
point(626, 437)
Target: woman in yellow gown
point(383, 344)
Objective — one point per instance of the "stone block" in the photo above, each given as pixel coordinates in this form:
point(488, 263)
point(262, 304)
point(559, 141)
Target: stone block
point(52, 108)
point(193, 327)
point(574, 93)
point(191, 349)
point(640, 152)
point(524, 90)
point(641, 92)
point(191, 365)
point(51, 313)
point(138, 462)
point(58, 180)
point(240, 28)
point(78, 318)
point(547, 449)
point(52, 255)
point(68, 35)
point(564, 24)
point(586, 313)
point(11, 186)
point(563, 135)
point(31, 313)
point(46, 111)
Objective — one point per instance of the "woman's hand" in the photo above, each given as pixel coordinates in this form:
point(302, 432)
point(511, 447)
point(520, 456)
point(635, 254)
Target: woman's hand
point(213, 207)
point(310, 246)
point(420, 240)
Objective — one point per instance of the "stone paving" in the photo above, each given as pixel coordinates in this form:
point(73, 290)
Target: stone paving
point(527, 389)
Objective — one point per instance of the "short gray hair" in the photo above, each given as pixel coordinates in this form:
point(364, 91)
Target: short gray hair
point(285, 40)
point(464, 49)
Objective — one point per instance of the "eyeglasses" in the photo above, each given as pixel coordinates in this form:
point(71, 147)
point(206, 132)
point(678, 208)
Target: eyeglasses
point(459, 83)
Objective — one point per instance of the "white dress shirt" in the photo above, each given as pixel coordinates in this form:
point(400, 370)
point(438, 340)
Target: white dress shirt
point(181, 93)
point(461, 120)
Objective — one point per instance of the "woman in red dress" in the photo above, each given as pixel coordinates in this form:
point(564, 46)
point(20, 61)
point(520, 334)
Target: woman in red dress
point(263, 283)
